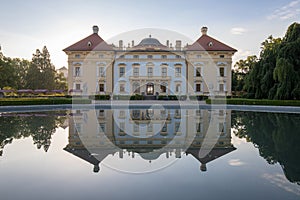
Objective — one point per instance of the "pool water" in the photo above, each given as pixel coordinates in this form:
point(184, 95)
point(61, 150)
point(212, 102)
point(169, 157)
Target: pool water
point(149, 154)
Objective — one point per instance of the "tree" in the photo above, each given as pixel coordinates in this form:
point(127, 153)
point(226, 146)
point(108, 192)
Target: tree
point(7, 73)
point(276, 137)
point(276, 74)
point(241, 69)
point(41, 72)
point(60, 81)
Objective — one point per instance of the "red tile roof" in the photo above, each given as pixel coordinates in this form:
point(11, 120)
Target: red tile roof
point(207, 43)
point(91, 43)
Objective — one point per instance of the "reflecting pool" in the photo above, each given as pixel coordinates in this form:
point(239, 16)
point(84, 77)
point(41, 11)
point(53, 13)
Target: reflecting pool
point(149, 154)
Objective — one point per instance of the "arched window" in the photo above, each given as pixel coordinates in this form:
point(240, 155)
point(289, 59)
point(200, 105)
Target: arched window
point(163, 87)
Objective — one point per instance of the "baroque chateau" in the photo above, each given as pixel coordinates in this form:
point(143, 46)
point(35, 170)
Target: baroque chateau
point(150, 68)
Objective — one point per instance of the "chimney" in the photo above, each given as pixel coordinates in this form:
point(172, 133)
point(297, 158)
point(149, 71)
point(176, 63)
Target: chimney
point(121, 44)
point(132, 43)
point(167, 43)
point(204, 30)
point(95, 29)
point(178, 45)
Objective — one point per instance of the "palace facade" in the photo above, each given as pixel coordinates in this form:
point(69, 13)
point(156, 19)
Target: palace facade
point(149, 68)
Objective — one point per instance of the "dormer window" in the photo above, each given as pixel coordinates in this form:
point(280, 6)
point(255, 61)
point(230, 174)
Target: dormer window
point(89, 44)
point(222, 56)
point(210, 44)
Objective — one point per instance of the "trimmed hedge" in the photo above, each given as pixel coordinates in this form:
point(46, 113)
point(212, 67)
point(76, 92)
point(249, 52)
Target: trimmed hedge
point(255, 102)
point(172, 97)
point(198, 97)
point(137, 97)
point(99, 97)
point(121, 97)
point(41, 101)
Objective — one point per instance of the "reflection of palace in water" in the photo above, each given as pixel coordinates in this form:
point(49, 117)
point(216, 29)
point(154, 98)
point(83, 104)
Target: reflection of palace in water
point(149, 133)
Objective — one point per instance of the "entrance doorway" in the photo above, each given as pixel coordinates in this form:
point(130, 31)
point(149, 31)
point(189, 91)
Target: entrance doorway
point(150, 89)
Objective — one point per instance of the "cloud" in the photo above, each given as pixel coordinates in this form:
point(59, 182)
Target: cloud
point(235, 162)
point(238, 31)
point(280, 181)
point(289, 11)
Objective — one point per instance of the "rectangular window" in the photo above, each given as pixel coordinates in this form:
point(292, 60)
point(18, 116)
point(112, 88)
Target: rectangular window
point(164, 128)
point(101, 72)
point(101, 87)
point(77, 55)
point(178, 56)
point(198, 87)
point(101, 113)
point(102, 127)
point(150, 127)
point(122, 114)
point(177, 113)
point(77, 71)
point(178, 71)
point(198, 71)
point(135, 114)
point(77, 128)
point(122, 127)
point(163, 114)
point(149, 56)
point(221, 127)
point(163, 56)
point(199, 127)
point(136, 71)
point(150, 71)
point(164, 72)
point(122, 87)
point(136, 128)
point(77, 86)
point(122, 71)
point(198, 113)
point(222, 72)
point(101, 56)
point(121, 56)
point(163, 89)
point(136, 56)
point(222, 56)
point(178, 88)
point(177, 127)
point(221, 87)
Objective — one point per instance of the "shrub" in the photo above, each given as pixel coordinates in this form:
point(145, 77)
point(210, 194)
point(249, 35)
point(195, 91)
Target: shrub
point(255, 102)
point(99, 97)
point(41, 101)
point(137, 97)
point(198, 97)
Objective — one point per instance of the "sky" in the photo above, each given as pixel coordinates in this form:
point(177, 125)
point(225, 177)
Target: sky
point(29, 25)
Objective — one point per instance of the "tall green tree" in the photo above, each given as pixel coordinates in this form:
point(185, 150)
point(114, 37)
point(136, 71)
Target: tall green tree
point(8, 75)
point(276, 74)
point(41, 73)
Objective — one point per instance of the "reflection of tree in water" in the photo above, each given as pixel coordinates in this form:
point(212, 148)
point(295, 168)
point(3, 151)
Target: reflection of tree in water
point(276, 135)
point(39, 126)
